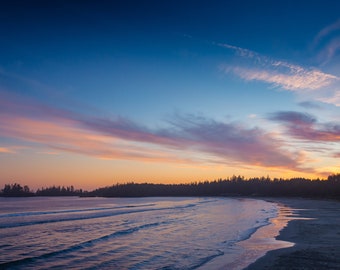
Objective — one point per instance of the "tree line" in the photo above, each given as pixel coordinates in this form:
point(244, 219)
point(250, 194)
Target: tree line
point(16, 190)
point(234, 186)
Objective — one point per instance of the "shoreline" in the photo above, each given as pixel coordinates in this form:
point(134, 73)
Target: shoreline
point(247, 251)
point(313, 227)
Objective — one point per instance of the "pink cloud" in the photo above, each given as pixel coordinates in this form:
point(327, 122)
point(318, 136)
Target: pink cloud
point(332, 99)
point(234, 141)
point(120, 138)
point(66, 136)
point(318, 85)
point(305, 126)
point(295, 79)
point(6, 150)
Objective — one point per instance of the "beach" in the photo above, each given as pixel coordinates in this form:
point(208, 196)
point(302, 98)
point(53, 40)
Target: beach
point(134, 233)
point(314, 229)
point(173, 233)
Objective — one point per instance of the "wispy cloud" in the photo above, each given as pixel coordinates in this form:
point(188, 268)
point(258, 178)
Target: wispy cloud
point(121, 138)
point(295, 79)
point(327, 42)
point(315, 83)
point(234, 141)
point(329, 50)
point(306, 127)
point(6, 150)
point(293, 118)
point(309, 105)
point(327, 30)
point(332, 98)
point(240, 51)
point(337, 155)
point(278, 73)
point(68, 136)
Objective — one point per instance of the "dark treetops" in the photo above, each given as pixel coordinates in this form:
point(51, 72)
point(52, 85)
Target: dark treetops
point(234, 186)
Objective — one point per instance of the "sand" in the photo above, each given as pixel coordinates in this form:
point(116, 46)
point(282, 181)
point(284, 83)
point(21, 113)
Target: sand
point(315, 232)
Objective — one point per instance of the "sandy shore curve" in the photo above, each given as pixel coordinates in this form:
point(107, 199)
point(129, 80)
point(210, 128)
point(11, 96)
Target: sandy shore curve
point(314, 229)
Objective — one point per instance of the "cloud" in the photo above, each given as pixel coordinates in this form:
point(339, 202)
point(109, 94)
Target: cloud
point(327, 30)
point(68, 136)
point(305, 126)
point(328, 42)
point(228, 142)
point(329, 50)
point(309, 105)
point(183, 138)
point(233, 141)
point(239, 51)
point(336, 155)
point(332, 98)
point(126, 129)
point(292, 78)
point(315, 83)
point(6, 150)
point(294, 118)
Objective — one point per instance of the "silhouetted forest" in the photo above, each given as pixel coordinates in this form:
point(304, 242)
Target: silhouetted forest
point(16, 190)
point(59, 191)
point(234, 186)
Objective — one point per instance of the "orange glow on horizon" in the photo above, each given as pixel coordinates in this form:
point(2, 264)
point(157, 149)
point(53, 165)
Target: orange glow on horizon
point(43, 170)
point(65, 154)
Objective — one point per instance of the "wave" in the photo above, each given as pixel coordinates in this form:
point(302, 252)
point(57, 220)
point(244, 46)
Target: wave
point(259, 223)
point(172, 237)
point(86, 244)
point(205, 260)
point(39, 213)
point(93, 216)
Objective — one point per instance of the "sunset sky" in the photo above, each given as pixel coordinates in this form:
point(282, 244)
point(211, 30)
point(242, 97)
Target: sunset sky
point(98, 92)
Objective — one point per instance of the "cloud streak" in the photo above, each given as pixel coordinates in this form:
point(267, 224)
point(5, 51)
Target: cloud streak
point(234, 141)
point(310, 105)
point(120, 138)
point(278, 73)
point(317, 84)
point(306, 127)
point(328, 41)
point(327, 30)
point(239, 51)
point(62, 136)
point(6, 150)
point(332, 98)
point(295, 79)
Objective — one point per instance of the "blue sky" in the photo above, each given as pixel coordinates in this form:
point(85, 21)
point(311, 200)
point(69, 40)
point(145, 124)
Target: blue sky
point(168, 91)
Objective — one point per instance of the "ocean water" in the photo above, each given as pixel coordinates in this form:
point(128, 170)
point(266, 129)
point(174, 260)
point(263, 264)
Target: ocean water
point(127, 233)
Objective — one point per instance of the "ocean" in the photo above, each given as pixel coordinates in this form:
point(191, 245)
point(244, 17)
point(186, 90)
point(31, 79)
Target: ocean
point(130, 233)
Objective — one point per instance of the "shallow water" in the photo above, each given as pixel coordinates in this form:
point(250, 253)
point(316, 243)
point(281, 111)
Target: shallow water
point(126, 233)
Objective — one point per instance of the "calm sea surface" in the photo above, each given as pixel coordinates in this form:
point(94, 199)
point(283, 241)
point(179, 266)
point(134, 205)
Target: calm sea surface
point(126, 233)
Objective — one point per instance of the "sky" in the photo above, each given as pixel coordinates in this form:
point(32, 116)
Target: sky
point(94, 93)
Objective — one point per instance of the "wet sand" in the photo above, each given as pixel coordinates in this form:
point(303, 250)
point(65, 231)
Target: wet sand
point(314, 229)
point(246, 252)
